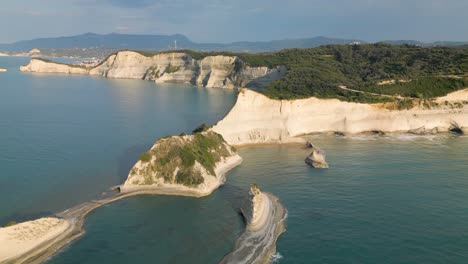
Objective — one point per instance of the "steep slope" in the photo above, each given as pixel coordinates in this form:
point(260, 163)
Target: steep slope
point(192, 165)
point(220, 71)
point(256, 118)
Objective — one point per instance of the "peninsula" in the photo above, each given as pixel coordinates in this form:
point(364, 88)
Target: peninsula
point(200, 69)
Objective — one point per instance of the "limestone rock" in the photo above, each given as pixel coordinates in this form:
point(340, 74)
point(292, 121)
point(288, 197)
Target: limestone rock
point(317, 159)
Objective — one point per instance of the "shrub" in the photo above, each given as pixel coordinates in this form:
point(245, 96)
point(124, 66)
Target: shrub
point(201, 128)
point(11, 223)
point(145, 157)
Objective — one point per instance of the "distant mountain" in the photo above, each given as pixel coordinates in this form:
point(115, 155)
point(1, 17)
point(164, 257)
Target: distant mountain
point(114, 41)
point(162, 42)
point(91, 40)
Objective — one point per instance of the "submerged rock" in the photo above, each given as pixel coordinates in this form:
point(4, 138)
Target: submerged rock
point(317, 158)
point(456, 129)
point(419, 131)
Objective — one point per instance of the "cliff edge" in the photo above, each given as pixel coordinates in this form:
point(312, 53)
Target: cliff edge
point(190, 165)
point(257, 119)
point(220, 71)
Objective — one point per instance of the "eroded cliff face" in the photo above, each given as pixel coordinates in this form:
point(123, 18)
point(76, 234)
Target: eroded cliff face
point(38, 65)
point(257, 119)
point(212, 71)
point(192, 165)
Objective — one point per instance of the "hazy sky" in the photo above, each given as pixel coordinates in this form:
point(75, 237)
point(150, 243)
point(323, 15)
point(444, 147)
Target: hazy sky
point(235, 20)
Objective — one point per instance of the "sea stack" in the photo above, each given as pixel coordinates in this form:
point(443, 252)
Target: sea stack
point(316, 159)
point(265, 218)
point(260, 207)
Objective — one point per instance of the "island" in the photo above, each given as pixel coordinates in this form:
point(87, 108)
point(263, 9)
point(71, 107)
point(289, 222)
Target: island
point(190, 165)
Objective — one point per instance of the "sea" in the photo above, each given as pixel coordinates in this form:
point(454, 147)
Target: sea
point(66, 139)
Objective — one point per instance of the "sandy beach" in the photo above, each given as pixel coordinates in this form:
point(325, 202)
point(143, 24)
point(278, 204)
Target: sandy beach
point(18, 239)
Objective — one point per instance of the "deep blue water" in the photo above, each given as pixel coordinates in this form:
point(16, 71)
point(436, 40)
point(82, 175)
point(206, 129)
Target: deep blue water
point(65, 139)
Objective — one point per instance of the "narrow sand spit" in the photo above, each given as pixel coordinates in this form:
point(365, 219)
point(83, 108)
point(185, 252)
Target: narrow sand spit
point(21, 238)
point(35, 241)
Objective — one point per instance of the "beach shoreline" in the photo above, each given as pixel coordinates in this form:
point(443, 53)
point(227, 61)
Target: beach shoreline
point(75, 217)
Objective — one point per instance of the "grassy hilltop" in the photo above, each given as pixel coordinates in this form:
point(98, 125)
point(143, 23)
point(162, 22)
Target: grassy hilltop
point(417, 72)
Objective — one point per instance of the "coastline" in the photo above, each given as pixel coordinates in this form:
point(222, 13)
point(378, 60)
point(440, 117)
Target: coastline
point(264, 232)
point(256, 119)
point(76, 216)
point(221, 169)
point(211, 71)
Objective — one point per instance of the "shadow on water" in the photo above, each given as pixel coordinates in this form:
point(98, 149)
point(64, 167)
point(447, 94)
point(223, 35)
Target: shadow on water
point(128, 159)
point(237, 198)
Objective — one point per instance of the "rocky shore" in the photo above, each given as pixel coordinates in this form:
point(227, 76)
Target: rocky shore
point(220, 71)
point(189, 165)
point(257, 119)
point(265, 222)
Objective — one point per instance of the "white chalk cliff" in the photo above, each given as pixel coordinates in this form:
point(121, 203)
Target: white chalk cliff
point(212, 71)
point(172, 167)
point(38, 65)
point(257, 119)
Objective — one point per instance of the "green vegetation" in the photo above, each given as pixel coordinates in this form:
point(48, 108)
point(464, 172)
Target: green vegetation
point(206, 148)
point(70, 65)
point(320, 71)
point(11, 223)
point(145, 157)
point(201, 128)
point(171, 69)
point(424, 87)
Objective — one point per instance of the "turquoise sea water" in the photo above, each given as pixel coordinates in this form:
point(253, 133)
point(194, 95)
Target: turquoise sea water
point(65, 139)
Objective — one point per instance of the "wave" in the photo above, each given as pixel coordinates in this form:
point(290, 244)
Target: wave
point(276, 258)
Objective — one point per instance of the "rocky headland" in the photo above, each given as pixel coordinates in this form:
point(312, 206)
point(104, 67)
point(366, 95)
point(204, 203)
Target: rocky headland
point(257, 119)
point(220, 71)
point(190, 165)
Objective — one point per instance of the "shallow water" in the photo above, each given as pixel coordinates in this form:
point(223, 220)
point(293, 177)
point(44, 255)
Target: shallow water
point(397, 199)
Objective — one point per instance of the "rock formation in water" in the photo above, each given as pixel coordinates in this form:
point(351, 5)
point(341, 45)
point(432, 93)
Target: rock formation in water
point(220, 71)
point(192, 165)
point(316, 159)
point(265, 221)
point(256, 118)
